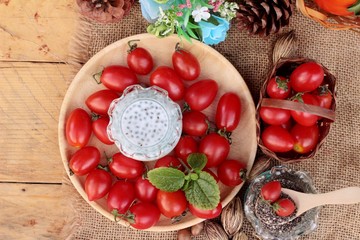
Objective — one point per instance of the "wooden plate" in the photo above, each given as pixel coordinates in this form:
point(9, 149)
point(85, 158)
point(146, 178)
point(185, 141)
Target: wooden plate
point(213, 65)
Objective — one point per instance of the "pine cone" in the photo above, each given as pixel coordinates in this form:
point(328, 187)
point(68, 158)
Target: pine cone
point(105, 11)
point(263, 17)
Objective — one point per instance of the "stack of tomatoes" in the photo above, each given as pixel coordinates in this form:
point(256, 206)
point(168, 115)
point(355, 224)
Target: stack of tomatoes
point(293, 131)
point(122, 181)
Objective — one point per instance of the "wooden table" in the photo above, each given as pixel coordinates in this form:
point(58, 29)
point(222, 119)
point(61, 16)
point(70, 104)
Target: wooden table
point(34, 38)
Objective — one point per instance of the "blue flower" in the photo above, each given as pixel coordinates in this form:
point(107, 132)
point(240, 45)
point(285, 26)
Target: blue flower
point(150, 9)
point(214, 34)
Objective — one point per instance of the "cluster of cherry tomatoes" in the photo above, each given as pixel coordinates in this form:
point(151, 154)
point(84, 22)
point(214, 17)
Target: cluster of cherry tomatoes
point(293, 130)
point(271, 192)
point(122, 182)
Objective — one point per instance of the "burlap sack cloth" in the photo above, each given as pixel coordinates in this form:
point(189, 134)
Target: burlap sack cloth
point(335, 166)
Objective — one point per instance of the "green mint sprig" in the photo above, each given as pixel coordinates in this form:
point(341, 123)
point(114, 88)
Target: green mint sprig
point(201, 189)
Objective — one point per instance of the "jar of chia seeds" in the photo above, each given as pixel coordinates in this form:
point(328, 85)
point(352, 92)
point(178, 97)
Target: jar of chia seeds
point(145, 123)
point(262, 217)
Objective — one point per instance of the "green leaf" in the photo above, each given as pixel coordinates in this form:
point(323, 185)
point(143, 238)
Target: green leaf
point(182, 33)
point(213, 21)
point(191, 33)
point(167, 179)
point(355, 8)
point(191, 25)
point(197, 161)
point(203, 193)
point(186, 18)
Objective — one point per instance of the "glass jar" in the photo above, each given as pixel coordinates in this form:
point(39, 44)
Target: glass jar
point(145, 123)
point(276, 229)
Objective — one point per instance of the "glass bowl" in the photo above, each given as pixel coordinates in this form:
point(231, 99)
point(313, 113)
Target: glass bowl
point(275, 229)
point(145, 123)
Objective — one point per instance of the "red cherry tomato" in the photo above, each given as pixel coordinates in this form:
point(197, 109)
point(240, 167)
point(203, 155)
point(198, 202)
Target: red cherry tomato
point(97, 184)
point(284, 207)
point(186, 64)
point(195, 123)
point(171, 204)
point(121, 196)
point(271, 191)
point(231, 172)
point(206, 214)
point(99, 102)
point(78, 128)
point(307, 77)
point(277, 139)
point(201, 94)
point(274, 116)
point(118, 78)
point(143, 215)
point(185, 146)
point(304, 118)
point(323, 96)
point(125, 167)
point(228, 112)
point(144, 190)
point(169, 161)
point(140, 60)
point(99, 127)
point(166, 78)
point(84, 160)
point(216, 148)
point(288, 125)
point(278, 87)
point(306, 138)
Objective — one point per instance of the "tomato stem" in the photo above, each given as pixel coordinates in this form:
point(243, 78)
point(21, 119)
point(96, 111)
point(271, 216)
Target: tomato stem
point(97, 77)
point(105, 168)
point(178, 218)
point(108, 159)
point(186, 107)
point(242, 174)
point(187, 169)
point(95, 116)
point(132, 46)
point(225, 134)
point(177, 46)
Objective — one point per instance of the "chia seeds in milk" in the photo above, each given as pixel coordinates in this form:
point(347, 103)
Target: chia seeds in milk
point(272, 222)
point(145, 122)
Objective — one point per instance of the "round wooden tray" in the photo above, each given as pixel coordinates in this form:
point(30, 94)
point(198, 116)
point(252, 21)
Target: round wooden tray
point(213, 65)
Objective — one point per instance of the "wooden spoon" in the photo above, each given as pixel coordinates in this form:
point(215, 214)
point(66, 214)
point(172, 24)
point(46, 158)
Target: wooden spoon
point(307, 201)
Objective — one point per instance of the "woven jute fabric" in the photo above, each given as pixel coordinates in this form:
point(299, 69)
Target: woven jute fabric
point(335, 166)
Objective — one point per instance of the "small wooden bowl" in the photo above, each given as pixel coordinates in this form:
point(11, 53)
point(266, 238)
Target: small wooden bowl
point(310, 10)
point(284, 67)
point(213, 65)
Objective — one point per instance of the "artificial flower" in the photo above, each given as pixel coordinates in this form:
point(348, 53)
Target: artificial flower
point(214, 34)
point(200, 13)
point(150, 9)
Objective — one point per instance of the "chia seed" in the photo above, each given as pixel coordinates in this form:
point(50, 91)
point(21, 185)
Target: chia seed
point(264, 212)
point(139, 122)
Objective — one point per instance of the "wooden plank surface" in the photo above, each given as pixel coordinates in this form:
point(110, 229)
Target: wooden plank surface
point(30, 99)
point(33, 30)
point(34, 37)
point(33, 211)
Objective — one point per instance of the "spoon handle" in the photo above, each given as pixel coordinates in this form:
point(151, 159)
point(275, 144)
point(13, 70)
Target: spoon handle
point(349, 195)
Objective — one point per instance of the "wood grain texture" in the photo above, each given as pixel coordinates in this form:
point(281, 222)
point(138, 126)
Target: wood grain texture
point(33, 211)
point(33, 30)
point(30, 98)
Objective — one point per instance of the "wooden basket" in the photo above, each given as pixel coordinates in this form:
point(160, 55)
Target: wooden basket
point(309, 9)
point(284, 67)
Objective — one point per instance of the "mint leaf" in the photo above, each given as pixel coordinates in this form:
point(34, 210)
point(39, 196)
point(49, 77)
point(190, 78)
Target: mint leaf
point(203, 193)
point(166, 179)
point(197, 161)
